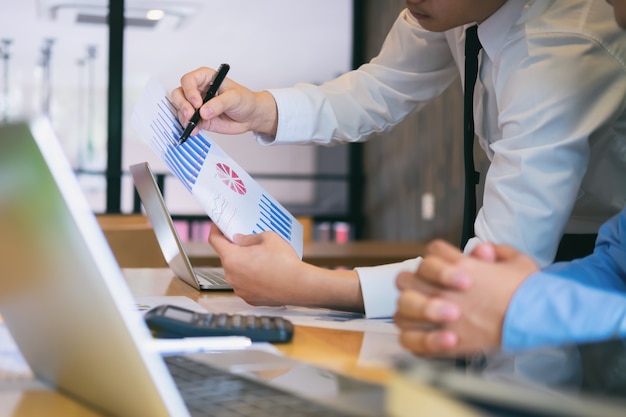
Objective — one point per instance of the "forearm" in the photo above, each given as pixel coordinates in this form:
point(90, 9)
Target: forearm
point(413, 67)
point(328, 288)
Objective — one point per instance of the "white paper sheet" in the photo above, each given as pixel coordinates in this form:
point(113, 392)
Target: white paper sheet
point(380, 345)
point(234, 201)
point(303, 316)
point(380, 341)
point(146, 303)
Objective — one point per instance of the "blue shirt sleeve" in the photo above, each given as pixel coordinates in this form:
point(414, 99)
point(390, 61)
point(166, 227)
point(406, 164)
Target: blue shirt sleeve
point(576, 301)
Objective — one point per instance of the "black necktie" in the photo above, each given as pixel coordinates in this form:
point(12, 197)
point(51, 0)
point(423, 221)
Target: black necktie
point(472, 47)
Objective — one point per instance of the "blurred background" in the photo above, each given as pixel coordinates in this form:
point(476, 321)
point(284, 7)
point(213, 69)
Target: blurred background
point(75, 62)
point(56, 61)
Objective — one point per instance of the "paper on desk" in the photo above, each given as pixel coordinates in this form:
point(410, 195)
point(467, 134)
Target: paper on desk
point(380, 345)
point(199, 344)
point(312, 317)
point(148, 302)
point(234, 201)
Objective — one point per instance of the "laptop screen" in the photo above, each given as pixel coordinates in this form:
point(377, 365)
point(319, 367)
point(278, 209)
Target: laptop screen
point(162, 223)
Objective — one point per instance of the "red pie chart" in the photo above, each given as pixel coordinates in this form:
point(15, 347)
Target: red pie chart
point(230, 178)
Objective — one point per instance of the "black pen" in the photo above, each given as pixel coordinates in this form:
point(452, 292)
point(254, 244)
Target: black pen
point(218, 77)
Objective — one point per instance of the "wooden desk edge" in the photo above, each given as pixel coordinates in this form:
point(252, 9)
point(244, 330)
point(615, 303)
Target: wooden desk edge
point(329, 254)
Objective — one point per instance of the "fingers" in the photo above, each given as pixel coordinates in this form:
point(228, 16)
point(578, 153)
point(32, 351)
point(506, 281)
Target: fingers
point(444, 250)
point(417, 308)
point(218, 241)
point(419, 319)
point(408, 281)
point(184, 109)
point(504, 252)
point(492, 253)
point(247, 240)
point(189, 96)
point(439, 266)
point(218, 105)
point(234, 110)
point(485, 252)
point(429, 342)
point(215, 232)
point(440, 272)
point(194, 84)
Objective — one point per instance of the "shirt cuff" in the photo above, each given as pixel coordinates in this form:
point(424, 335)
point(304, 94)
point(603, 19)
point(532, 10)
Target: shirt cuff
point(295, 121)
point(378, 287)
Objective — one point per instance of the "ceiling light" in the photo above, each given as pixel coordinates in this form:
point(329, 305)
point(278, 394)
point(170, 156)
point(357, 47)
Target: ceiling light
point(155, 14)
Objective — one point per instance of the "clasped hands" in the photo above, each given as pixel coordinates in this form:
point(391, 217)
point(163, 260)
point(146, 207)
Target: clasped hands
point(456, 304)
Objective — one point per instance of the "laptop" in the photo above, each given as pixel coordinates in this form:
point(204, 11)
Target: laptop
point(575, 380)
point(201, 278)
point(67, 306)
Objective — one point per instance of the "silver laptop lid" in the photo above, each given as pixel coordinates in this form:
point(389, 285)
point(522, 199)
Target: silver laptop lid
point(62, 295)
point(164, 229)
point(577, 380)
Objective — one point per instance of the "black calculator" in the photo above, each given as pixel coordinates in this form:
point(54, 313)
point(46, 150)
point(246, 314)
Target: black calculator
point(168, 321)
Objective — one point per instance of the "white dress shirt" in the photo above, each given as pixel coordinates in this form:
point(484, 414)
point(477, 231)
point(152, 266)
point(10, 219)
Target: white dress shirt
point(550, 114)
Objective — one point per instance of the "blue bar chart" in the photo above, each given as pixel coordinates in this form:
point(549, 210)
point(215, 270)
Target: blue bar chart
point(235, 202)
point(186, 160)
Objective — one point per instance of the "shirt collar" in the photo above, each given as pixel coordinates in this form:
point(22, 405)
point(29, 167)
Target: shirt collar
point(493, 31)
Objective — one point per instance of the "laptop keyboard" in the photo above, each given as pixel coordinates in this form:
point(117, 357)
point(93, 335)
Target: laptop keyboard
point(211, 276)
point(209, 391)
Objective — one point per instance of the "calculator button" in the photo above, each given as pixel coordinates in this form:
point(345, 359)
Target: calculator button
point(208, 319)
point(250, 322)
point(221, 320)
point(236, 321)
point(265, 322)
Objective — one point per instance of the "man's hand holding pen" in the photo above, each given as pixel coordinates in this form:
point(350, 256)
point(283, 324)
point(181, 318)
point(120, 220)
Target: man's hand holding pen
point(214, 85)
point(234, 110)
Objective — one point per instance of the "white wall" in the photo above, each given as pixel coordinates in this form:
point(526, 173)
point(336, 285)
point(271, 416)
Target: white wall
point(269, 44)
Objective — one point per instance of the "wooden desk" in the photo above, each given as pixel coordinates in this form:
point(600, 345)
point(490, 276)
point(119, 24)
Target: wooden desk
point(329, 254)
point(134, 245)
point(333, 349)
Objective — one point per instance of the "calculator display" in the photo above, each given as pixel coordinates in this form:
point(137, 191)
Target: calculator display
point(181, 315)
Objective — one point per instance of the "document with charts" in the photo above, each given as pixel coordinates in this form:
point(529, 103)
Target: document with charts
point(234, 201)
